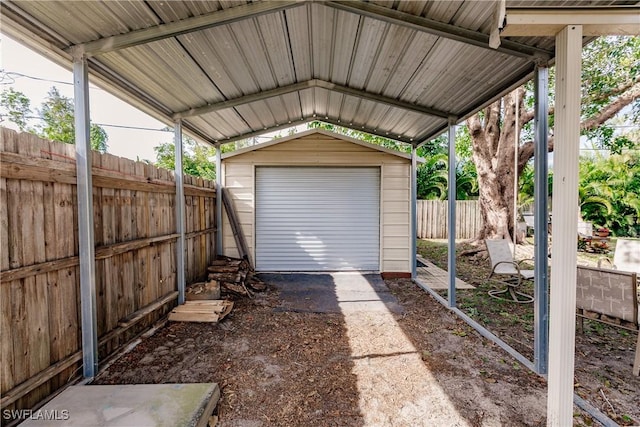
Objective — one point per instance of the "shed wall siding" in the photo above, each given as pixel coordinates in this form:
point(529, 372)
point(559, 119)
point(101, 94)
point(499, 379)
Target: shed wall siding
point(323, 150)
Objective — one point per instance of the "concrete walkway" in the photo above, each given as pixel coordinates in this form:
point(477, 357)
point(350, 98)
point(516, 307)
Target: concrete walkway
point(395, 387)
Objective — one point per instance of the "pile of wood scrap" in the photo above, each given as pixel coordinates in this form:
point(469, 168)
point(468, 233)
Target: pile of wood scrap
point(201, 311)
point(203, 291)
point(235, 277)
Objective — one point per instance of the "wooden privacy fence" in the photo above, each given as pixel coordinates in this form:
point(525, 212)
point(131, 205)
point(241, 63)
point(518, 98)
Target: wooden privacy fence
point(433, 222)
point(135, 240)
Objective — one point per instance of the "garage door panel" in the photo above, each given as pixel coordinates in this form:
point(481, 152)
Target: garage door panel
point(314, 219)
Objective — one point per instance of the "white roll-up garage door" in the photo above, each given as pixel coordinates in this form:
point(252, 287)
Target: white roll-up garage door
point(317, 218)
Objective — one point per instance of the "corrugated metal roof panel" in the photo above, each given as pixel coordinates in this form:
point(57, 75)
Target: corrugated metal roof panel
point(322, 39)
point(475, 16)
point(277, 49)
point(298, 25)
point(80, 22)
point(368, 48)
point(251, 48)
point(200, 47)
point(157, 66)
point(171, 11)
point(220, 52)
point(273, 31)
point(307, 102)
point(444, 11)
point(344, 44)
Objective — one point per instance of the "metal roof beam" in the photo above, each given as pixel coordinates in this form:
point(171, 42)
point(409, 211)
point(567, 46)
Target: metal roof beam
point(308, 120)
point(246, 99)
point(335, 122)
point(595, 22)
point(173, 29)
point(381, 99)
point(438, 28)
point(263, 131)
point(309, 84)
point(431, 135)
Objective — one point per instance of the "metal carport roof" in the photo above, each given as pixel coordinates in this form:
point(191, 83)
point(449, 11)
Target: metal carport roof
point(227, 70)
point(234, 69)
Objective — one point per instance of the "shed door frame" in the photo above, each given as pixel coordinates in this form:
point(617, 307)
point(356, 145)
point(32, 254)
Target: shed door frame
point(380, 193)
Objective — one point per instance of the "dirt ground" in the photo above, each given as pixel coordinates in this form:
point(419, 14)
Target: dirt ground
point(415, 364)
point(282, 368)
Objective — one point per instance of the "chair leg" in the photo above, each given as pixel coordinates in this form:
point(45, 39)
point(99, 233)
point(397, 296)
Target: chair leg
point(581, 320)
point(519, 297)
point(497, 293)
point(516, 296)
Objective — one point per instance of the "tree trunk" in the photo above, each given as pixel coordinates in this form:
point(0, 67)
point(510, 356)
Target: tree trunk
point(493, 138)
point(493, 135)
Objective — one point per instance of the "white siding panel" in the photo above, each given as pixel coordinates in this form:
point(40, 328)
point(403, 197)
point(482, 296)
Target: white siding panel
point(317, 218)
point(396, 231)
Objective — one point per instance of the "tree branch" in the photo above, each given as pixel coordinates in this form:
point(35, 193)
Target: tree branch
point(525, 152)
point(621, 88)
point(613, 108)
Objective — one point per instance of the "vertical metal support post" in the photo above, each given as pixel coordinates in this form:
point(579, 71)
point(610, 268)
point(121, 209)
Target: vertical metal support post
point(565, 222)
point(180, 212)
point(451, 215)
point(86, 243)
point(414, 209)
point(219, 250)
point(541, 236)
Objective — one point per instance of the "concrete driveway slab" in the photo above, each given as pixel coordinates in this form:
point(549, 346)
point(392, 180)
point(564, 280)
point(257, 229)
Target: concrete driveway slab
point(333, 292)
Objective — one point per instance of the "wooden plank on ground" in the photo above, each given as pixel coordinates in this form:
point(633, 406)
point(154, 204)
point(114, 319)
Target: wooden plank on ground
point(201, 311)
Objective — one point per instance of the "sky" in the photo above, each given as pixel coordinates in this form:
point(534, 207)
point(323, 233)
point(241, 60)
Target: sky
point(35, 77)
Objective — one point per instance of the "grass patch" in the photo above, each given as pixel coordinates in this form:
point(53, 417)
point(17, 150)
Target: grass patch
point(512, 322)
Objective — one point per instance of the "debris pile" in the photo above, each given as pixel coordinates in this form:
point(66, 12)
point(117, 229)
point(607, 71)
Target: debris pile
point(229, 278)
point(235, 277)
point(201, 311)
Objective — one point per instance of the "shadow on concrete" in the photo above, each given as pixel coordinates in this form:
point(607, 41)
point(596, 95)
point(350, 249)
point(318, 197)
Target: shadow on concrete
point(332, 292)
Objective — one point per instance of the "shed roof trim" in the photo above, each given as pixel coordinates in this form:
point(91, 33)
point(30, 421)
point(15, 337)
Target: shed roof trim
point(318, 132)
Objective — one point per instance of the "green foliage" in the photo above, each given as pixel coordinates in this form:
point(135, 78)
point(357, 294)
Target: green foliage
point(15, 107)
point(464, 144)
point(466, 180)
point(526, 185)
point(197, 159)
point(433, 178)
point(363, 136)
point(57, 117)
point(609, 192)
point(609, 65)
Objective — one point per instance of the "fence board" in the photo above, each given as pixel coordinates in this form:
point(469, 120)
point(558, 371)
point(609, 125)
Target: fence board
point(134, 230)
point(432, 221)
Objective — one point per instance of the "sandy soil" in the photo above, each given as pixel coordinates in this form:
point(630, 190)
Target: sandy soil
point(275, 367)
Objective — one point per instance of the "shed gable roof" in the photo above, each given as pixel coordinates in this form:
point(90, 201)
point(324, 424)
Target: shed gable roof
point(310, 133)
